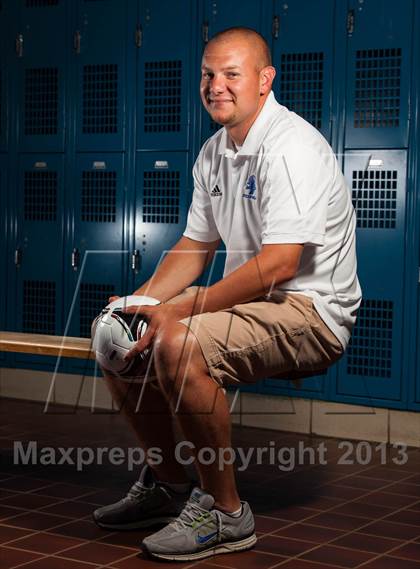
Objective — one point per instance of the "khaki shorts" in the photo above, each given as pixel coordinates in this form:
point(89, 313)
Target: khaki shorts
point(261, 339)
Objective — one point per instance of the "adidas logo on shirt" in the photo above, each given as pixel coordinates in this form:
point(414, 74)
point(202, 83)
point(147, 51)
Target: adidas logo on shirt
point(215, 192)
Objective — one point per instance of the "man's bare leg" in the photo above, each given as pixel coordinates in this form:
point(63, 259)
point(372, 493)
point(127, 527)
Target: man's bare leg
point(149, 414)
point(200, 406)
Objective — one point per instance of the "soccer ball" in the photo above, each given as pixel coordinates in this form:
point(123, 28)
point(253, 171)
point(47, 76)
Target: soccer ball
point(115, 332)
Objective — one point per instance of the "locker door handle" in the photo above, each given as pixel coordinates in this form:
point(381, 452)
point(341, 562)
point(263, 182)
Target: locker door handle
point(350, 22)
point(276, 27)
point(77, 42)
point(135, 261)
point(75, 255)
point(205, 32)
point(18, 257)
point(139, 36)
point(19, 45)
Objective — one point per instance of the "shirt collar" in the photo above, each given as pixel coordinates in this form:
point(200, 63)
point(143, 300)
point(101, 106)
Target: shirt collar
point(255, 134)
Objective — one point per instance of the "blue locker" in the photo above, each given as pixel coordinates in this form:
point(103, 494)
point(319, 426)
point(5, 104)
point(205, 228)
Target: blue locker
point(415, 233)
point(221, 15)
point(3, 244)
point(303, 55)
point(370, 371)
point(38, 293)
point(313, 387)
point(3, 107)
point(417, 363)
point(378, 73)
point(100, 80)
point(164, 62)
point(162, 198)
point(41, 69)
point(5, 41)
point(96, 261)
point(216, 16)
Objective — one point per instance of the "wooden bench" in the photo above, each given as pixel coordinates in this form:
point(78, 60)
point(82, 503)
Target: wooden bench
point(70, 347)
point(45, 345)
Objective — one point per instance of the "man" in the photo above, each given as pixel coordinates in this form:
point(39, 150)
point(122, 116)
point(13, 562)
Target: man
point(269, 186)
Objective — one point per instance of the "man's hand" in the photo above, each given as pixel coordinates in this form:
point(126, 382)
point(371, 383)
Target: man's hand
point(155, 316)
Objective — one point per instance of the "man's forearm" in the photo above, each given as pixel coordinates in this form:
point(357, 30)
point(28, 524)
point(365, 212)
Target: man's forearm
point(181, 266)
point(255, 278)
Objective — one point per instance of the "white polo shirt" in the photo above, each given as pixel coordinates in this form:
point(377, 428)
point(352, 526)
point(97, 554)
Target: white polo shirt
point(283, 185)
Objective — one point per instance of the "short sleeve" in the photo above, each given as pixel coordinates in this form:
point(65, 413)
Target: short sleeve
point(200, 221)
point(295, 194)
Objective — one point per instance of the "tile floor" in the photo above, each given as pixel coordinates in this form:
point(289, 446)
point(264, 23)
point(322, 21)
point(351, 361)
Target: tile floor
point(313, 516)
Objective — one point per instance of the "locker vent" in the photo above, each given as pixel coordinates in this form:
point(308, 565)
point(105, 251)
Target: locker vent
point(370, 349)
point(41, 101)
point(377, 88)
point(161, 197)
point(162, 96)
point(39, 307)
point(40, 3)
point(40, 196)
point(374, 195)
point(93, 297)
point(301, 85)
point(99, 194)
point(100, 99)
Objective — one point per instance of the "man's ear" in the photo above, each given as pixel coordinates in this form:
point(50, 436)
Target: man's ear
point(267, 75)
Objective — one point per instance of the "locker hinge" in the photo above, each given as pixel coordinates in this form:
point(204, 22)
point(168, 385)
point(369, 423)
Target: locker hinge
point(419, 275)
point(77, 42)
point(135, 260)
point(350, 22)
point(18, 257)
point(205, 32)
point(275, 28)
point(138, 36)
point(19, 45)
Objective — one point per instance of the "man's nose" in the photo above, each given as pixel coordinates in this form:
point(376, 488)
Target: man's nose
point(217, 84)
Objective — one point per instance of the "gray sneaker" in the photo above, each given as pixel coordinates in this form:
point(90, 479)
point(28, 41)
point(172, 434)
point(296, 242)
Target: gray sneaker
point(201, 531)
point(147, 503)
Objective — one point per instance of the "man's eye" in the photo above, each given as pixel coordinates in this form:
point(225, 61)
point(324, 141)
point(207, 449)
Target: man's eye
point(207, 75)
point(232, 74)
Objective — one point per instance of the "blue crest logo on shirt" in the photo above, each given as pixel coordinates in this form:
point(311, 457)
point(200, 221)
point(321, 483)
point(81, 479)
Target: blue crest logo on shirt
point(251, 187)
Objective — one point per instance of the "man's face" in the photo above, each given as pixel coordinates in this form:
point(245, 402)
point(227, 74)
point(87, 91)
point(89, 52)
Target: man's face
point(230, 83)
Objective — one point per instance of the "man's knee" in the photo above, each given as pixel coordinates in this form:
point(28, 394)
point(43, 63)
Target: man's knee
point(176, 349)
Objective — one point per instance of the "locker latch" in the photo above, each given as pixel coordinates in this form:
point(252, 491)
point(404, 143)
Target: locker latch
point(77, 42)
point(19, 45)
point(275, 28)
point(75, 255)
point(139, 36)
point(135, 260)
point(350, 22)
point(18, 257)
point(205, 32)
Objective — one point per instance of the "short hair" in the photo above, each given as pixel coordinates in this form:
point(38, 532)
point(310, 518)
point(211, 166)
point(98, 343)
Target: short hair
point(257, 39)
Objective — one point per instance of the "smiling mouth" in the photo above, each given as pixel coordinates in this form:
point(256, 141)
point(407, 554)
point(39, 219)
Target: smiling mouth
point(219, 101)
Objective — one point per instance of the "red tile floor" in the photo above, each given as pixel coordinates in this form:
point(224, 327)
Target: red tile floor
point(313, 516)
